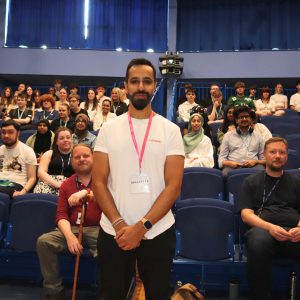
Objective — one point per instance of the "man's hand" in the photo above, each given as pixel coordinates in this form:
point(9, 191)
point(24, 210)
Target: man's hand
point(73, 245)
point(250, 163)
point(295, 234)
point(75, 199)
point(234, 164)
point(129, 237)
point(279, 233)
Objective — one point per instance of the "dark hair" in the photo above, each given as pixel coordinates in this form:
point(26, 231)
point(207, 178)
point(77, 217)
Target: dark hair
point(226, 122)
point(239, 84)
point(190, 91)
point(11, 122)
point(240, 109)
point(22, 96)
point(54, 146)
point(57, 81)
point(106, 100)
point(265, 89)
point(6, 100)
point(276, 140)
point(199, 109)
point(298, 82)
point(139, 62)
point(100, 84)
point(95, 101)
point(253, 87)
point(44, 121)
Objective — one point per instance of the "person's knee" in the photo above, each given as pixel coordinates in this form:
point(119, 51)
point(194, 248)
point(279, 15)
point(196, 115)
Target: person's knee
point(42, 243)
point(259, 241)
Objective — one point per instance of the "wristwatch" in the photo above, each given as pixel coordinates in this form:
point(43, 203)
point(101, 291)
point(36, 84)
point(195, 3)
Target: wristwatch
point(146, 223)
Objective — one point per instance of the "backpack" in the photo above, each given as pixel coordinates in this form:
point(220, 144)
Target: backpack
point(187, 292)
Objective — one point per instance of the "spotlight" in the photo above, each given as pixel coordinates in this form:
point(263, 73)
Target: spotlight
point(171, 64)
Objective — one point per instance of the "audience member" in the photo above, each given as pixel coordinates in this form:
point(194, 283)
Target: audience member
point(30, 100)
point(280, 100)
point(68, 218)
point(73, 88)
point(228, 125)
point(51, 91)
point(64, 119)
point(5, 100)
point(21, 115)
point(13, 103)
point(259, 127)
point(55, 165)
point(48, 112)
point(36, 98)
point(240, 99)
point(123, 94)
point(295, 99)
point(91, 104)
point(265, 106)
point(216, 110)
point(118, 107)
point(57, 88)
point(181, 99)
point(243, 147)
point(197, 146)
point(17, 162)
point(270, 206)
point(252, 92)
point(101, 90)
point(75, 109)
point(104, 115)
point(209, 100)
point(22, 88)
point(184, 109)
point(81, 133)
point(63, 98)
point(42, 140)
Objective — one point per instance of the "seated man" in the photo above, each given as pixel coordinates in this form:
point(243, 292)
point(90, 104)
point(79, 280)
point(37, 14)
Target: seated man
point(81, 134)
point(209, 100)
point(184, 109)
point(295, 99)
point(243, 147)
point(68, 217)
point(216, 110)
point(75, 110)
point(270, 205)
point(21, 115)
point(240, 99)
point(17, 162)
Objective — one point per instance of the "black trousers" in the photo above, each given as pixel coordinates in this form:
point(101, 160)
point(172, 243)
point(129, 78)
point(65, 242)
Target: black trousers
point(9, 190)
point(154, 259)
point(261, 249)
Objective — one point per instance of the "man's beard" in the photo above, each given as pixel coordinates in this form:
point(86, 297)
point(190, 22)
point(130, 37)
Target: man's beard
point(276, 168)
point(140, 104)
point(11, 143)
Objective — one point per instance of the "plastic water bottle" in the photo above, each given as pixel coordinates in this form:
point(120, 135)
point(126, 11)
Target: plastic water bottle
point(293, 286)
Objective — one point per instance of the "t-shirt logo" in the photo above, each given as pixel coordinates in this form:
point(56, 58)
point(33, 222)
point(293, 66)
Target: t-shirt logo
point(15, 165)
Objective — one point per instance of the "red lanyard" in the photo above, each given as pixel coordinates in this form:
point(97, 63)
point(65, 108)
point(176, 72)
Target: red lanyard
point(140, 154)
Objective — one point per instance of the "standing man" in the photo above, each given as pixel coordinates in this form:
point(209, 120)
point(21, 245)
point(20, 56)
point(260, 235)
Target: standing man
point(270, 205)
point(68, 220)
point(17, 162)
point(137, 174)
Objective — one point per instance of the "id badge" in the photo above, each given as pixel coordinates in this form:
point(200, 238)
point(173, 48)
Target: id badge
point(139, 184)
point(78, 218)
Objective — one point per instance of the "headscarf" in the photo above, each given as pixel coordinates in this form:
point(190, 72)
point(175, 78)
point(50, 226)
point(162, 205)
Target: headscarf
point(192, 139)
point(43, 141)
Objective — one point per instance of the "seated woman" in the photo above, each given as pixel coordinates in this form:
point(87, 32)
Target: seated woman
point(63, 98)
point(64, 119)
point(197, 146)
point(55, 165)
point(228, 124)
point(265, 106)
point(91, 104)
point(104, 115)
point(42, 140)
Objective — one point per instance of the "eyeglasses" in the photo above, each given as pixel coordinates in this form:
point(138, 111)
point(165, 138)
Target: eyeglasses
point(243, 117)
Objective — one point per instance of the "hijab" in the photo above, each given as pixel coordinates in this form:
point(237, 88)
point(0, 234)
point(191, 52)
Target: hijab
point(43, 141)
point(192, 139)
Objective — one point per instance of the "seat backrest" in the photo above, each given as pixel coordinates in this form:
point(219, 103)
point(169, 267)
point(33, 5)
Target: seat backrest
point(204, 232)
point(202, 183)
point(293, 160)
point(25, 134)
point(234, 182)
point(4, 210)
point(284, 129)
point(293, 141)
point(31, 215)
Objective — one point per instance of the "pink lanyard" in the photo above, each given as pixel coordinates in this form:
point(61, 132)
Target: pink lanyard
point(140, 154)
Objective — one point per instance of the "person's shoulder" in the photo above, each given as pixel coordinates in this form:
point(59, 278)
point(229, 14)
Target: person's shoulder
point(292, 177)
point(69, 181)
point(165, 122)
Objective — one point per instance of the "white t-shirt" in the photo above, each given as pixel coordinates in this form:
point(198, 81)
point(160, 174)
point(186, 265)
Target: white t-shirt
point(184, 110)
point(99, 120)
point(265, 107)
point(115, 139)
point(280, 101)
point(13, 162)
point(295, 101)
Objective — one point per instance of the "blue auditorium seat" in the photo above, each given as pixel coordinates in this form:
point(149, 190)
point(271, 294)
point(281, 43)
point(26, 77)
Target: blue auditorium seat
point(25, 134)
point(204, 237)
point(31, 215)
point(293, 141)
point(4, 210)
point(293, 160)
point(284, 129)
point(270, 120)
point(202, 183)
